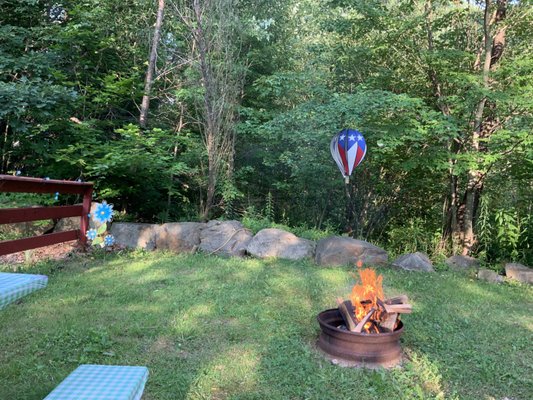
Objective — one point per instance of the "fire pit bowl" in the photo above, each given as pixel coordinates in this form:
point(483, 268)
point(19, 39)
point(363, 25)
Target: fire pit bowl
point(358, 349)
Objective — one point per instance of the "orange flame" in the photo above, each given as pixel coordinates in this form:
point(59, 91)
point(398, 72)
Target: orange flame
point(365, 295)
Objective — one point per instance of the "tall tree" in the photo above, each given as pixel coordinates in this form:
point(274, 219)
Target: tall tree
point(483, 125)
point(467, 60)
point(462, 208)
point(214, 41)
point(149, 78)
point(33, 99)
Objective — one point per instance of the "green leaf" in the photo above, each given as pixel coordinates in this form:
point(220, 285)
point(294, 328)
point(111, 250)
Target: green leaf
point(102, 228)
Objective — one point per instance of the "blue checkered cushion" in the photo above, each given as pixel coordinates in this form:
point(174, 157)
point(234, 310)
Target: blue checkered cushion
point(102, 382)
point(15, 286)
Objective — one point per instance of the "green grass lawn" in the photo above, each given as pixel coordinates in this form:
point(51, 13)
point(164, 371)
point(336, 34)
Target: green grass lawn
point(212, 328)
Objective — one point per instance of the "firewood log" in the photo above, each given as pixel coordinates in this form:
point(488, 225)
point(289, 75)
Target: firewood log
point(389, 322)
point(347, 313)
point(363, 322)
point(398, 308)
point(401, 299)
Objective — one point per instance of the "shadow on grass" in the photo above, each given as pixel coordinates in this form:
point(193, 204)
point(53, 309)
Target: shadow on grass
point(476, 334)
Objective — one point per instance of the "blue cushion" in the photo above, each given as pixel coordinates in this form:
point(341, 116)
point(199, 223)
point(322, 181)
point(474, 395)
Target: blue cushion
point(15, 286)
point(102, 382)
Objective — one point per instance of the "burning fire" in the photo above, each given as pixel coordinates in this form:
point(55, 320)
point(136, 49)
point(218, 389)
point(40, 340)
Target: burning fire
point(365, 296)
point(367, 310)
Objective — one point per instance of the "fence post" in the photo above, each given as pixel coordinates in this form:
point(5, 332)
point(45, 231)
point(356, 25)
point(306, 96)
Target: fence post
point(86, 205)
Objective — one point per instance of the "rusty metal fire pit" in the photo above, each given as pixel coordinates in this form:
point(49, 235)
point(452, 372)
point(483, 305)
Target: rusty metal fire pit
point(358, 349)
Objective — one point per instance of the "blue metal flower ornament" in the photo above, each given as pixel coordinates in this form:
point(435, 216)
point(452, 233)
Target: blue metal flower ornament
point(103, 213)
point(91, 234)
point(109, 240)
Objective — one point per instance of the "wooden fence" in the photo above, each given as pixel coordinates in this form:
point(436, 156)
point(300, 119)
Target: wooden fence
point(10, 183)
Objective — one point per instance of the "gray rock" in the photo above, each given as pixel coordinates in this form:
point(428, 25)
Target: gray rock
point(67, 224)
point(93, 224)
point(180, 237)
point(25, 229)
point(462, 262)
point(229, 238)
point(337, 250)
point(70, 223)
point(414, 262)
point(277, 243)
point(519, 272)
point(134, 235)
point(489, 276)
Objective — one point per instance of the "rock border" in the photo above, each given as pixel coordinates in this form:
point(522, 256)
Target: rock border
point(232, 239)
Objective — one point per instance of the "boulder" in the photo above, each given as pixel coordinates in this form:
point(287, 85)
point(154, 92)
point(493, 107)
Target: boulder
point(337, 250)
point(25, 229)
point(228, 238)
point(67, 224)
point(462, 262)
point(93, 224)
point(414, 262)
point(489, 276)
point(519, 272)
point(134, 235)
point(277, 243)
point(70, 223)
point(180, 237)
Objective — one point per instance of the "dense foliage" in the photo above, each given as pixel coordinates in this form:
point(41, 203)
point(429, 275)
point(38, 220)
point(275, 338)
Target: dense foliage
point(247, 96)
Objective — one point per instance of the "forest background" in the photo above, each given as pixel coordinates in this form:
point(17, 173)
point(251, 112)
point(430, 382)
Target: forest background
point(192, 110)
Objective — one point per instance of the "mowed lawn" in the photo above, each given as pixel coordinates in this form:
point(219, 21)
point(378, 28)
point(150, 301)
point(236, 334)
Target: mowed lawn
point(214, 328)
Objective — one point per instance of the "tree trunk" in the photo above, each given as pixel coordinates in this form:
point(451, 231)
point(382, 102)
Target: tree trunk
point(461, 211)
point(450, 231)
point(493, 49)
point(149, 80)
point(179, 128)
point(211, 186)
point(473, 188)
point(216, 46)
point(210, 116)
point(4, 129)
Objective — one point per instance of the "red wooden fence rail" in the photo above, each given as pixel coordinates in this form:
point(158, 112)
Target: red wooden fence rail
point(18, 184)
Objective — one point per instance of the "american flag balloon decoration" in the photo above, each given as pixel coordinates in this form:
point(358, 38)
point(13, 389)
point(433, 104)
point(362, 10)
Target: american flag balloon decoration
point(348, 148)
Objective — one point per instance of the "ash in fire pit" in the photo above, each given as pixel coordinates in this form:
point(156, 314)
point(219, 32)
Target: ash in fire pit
point(364, 330)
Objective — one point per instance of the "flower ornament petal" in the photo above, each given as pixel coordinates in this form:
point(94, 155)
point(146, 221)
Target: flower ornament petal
point(91, 234)
point(109, 240)
point(104, 212)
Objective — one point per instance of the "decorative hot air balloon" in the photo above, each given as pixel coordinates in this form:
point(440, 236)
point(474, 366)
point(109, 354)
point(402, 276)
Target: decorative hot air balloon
point(348, 148)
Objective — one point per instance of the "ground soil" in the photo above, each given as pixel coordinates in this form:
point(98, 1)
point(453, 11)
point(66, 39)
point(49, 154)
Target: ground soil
point(55, 252)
